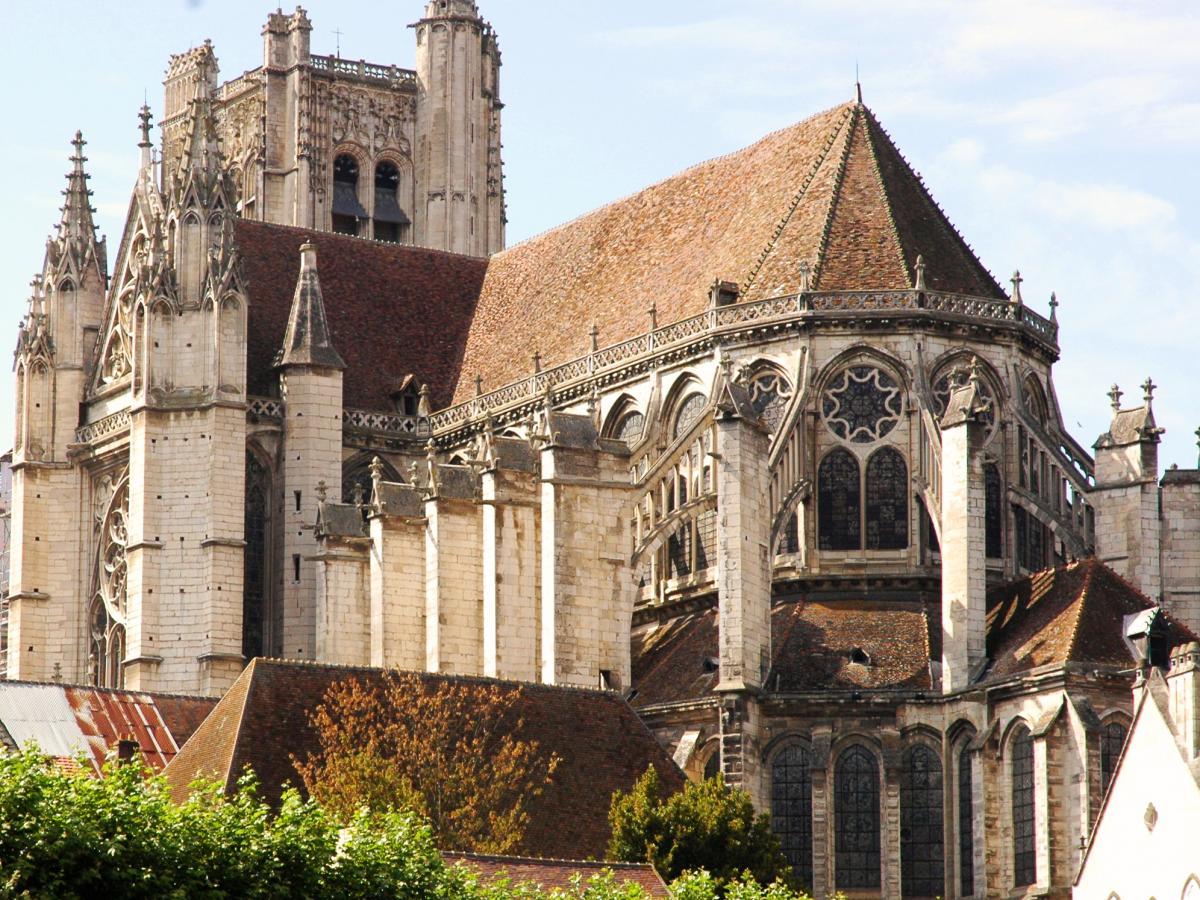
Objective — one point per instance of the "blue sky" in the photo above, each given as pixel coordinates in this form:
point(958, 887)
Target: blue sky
point(1061, 137)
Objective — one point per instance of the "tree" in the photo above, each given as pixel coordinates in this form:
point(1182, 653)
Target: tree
point(449, 751)
point(706, 826)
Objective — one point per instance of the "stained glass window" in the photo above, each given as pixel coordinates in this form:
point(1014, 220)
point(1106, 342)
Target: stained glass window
point(856, 819)
point(791, 809)
point(862, 404)
point(689, 412)
point(679, 551)
point(1035, 399)
point(993, 511)
point(106, 612)
point(943, 385)
point(630, 428)
point(966, 823)
point(769, 393)
point(921, 838)
point(887, 501)
point(1024, 849)
point(839, 502)
point(1112, 739)
point(254, 595)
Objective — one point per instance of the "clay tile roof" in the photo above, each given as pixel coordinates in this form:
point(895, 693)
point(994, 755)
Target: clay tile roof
point(812, 648)
point(557, 874)
point(391, 310)
point(66, 720)
point(831, 190)
point(263, 721)
point(1073, 613)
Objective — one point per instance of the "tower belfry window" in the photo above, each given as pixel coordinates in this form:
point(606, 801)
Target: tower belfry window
point(390, 221)
point(347, 210)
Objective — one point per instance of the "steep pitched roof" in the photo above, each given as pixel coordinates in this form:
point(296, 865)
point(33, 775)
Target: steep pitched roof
point(306, 341)
point(831, 190)
point(1072, 613)
point(391, 310)
point(263, 721)
point(557, 874)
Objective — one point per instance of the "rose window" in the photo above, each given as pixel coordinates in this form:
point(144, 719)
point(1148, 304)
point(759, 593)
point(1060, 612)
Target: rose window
point(862, 404)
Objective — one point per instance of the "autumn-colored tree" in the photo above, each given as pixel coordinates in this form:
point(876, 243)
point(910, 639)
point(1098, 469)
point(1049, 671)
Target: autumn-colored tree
point(450, 751)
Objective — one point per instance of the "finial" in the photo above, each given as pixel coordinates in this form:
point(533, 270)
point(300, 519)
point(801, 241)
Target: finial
point(358, 495)
point(144, 116)
point(919, 268)
point(1016, 286)
point(653, 316)
point(1053, 307)
point(1114, 397)
point(805, 276)
point(423, 406)
point(478, 385)
point(430, 451)
point(1148, 387)
point(376, 469)
point(857, 84)
point(322, 490)
point(595, 336)
point(537, 360)
point(973, 376)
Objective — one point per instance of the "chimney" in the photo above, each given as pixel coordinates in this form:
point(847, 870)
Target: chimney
point(964, 582)
point(1184, 696)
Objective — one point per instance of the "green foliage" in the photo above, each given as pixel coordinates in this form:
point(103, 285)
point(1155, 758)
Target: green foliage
point(706, 826)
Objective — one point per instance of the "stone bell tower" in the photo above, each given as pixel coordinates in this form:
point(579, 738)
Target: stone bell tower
point(460, 192)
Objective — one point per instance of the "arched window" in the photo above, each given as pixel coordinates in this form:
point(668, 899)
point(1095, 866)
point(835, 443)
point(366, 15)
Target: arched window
point(791, 808)
point(921, 840)
point(993, 512)
point(255, 581)
point(391, 222)
point(357, 474)
point(688, 413)
point(769, 394)
point(887, 501)
point(1024, 843)
point(347, 210)
point(712, 765)
point(1112, 739)
point(856, 819)
point(1035, 399)
point(630, 428)
point(839, 502)
point(966, 823)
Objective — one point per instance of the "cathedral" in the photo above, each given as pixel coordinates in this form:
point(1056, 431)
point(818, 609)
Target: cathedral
point(763, 448)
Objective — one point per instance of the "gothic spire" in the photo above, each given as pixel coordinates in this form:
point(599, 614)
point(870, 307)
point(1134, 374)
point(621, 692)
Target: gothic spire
point(306, 341)
point(77, 228)
point(202, 148)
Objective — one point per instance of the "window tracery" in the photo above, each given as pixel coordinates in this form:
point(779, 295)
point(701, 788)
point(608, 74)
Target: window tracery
point(839, 502)
point(887, 501)
point(862, 404)
point(1024, 851)
point(630, 428)
point(791, 808)
point(952, 378)
point(1112, 740)
point(688, 414)
point(921, 837)
point(993, 511)
point(966, 823)
point(106, 614)
point(770, 392)
point(856, 819)
point(255, 561)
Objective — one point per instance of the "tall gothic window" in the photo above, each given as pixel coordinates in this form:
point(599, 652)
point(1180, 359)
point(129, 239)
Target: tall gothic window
point(254, 596)
point(1112, 739)
point(993, 511)
point(862, 404)
point(390, 221)
point(921, 837)
point(347, 210)
point(106, 608)
point(1024, 844)
point(839, 502)
point(887, 501)
point(689, 412)
point(966, 823)
point(791, 808)
point(629, 429)
point(856, 819)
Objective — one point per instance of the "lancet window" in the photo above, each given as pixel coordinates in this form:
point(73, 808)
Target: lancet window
point(688, 414)
point(106, 608)
point(391, 223)
point(921, 839)
point(1112, 740)
point(843, 520)
point(255, 561)
point(839, 502)
point(856, 819)
point(993, 511)
point(887, 501)
point(347, 208)
point(966, 823)
point(791, 808)
point(1024, 847)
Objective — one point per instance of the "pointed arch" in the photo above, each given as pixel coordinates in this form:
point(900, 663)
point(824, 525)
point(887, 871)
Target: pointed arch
point(685, 404)
point(770, 390)
point(1034, 396)
point(839, 502)
point(160, 349)
point(922, 850)
point(66, 319)
point(257, 579)
point(857, 831)
point(231, 345)
point(20, 400)
point(791, 806)
point(887, 500)
point(191, 257)
point(625, 422)
point(1022, 806)
point(356, 472)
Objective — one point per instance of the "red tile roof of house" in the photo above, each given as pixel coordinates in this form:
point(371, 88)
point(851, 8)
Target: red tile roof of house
point(68, 720)
point(831, 190)
point(391, 310)
point(263, 721)
point(557, 874)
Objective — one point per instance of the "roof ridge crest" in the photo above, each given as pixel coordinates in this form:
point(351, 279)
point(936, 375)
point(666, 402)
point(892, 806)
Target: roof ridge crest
point(834, 196)
point(848, 112)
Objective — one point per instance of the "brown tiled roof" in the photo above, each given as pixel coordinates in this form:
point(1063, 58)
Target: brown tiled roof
point(263, 721)
point(392, 310)
point(67, 720)
point(1073, 613)
point(811, 647)
point(557, 874)
point(832, 190)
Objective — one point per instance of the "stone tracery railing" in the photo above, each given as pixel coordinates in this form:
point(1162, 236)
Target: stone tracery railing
point(732, 318)
point(362, 69)
point(102, 428)
point(385, 423)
